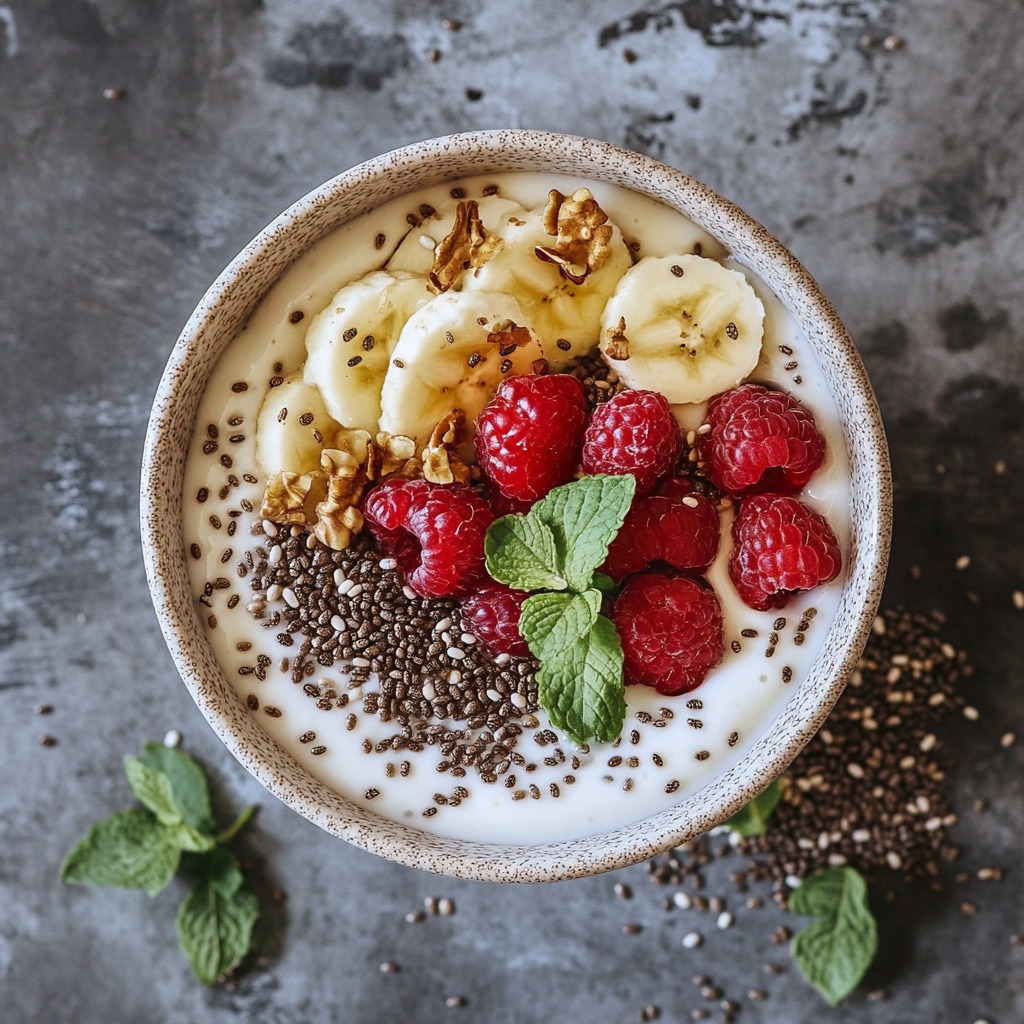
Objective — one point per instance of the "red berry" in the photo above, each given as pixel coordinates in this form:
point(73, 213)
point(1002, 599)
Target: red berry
point(683, 533)
point(780, 546)
point(491, 614)
point(671, 632)
point(435, 532)
point(529, 435)
point(676, 487)
point(636, 433)
point(760, 441)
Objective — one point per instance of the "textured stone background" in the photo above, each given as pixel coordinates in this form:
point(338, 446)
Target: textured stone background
point(895, 174)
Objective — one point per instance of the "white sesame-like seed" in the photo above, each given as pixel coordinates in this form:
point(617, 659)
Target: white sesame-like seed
point(442, 625)
point(361, 662)
point(339, 577)
point(290, 597)
point(356, 692)
point(792, 881)
point(427, 242)
point(924, 805)
point(948, 651)
point(855, 770)
point(276, 554)
point(690, 502)
point(893, 859)
point(344, 587)
point(428, 691)
point(502, 659)
point(338, 623)
point(704, 428)
point(493, 695)
point(878, 626)
point(908, 762)
point(256, 606)
point(936, 699)
point(683, 900)
point(269, 528)
point(928, 743)
point(933, 824)
point(860, 835)
point(836, 860)
point(274, 592)
point(454, 677)
point(388, 563)
point(1018, 600)
point(724, 920)
point(691, 940)
point(172, 738)
point(310, 541)
point(804, 843)
point(468, 638)
point(456, 653)
point(518, 700)
point(446, 637)
point(823, 841)
point(971, 713)
point(1007, 740)
point(409, 593)
point(296, 531)
point(356, 590)
point(963, 561)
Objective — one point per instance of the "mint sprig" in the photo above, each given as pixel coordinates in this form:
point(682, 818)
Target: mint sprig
point(834, 952)
point(142, 848)
point(752, 819)
point(555, 548)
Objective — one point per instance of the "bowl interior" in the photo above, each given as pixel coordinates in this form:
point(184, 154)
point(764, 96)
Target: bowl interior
point(231, 300)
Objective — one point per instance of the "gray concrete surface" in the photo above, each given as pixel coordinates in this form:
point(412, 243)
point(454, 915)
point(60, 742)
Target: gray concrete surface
point(894, 173)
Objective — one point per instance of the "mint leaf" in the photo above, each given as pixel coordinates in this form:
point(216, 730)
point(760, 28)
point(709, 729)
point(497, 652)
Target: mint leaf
point(216, 919)
point(153, 790)
point(132, 850)
point(584, 516)
point(551, 622)
point(521, 553)
point(752, 820)
point(188, 784)
point(581, 687)
point(835, 951)
point(601, 582)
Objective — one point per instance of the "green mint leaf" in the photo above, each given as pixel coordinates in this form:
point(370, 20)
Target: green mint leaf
point(132, 850)
point(581, 687)
point(192, 840)
point(604, 584)
point(752, 820)
point(584, 516)
point(552, 622)
point(188, 784)
point(153, 790)
point(521, 553)
point(215, 924)
point(835, 951)
point(237, 825)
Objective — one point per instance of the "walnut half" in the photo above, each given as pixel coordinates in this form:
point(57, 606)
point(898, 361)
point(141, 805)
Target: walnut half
point(583, 234)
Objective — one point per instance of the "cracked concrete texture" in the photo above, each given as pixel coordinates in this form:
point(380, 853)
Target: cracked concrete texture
point(894, 174)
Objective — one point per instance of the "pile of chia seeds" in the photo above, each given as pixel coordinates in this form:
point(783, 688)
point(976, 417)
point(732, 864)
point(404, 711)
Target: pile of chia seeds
point(349, 609)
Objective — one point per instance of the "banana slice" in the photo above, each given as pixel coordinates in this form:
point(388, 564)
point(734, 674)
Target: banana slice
point(290, 421)
point(415, 253)
point(682, 325)
point(567, 316)
point(452, 354)
point(349, 343)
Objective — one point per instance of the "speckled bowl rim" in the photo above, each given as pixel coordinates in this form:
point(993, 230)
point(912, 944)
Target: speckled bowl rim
point(230, 301)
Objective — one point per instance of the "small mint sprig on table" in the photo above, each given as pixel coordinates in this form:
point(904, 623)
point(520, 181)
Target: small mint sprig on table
point(555, 550)
point(142, 848)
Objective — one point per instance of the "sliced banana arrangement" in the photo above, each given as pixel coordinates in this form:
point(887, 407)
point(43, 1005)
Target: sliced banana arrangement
point(485, 288)
point(682, 325)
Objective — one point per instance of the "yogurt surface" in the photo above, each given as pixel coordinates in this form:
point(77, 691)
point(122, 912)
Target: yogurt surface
point(669, 747)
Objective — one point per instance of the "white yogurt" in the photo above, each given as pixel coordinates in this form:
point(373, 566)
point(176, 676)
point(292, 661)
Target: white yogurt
point(733, 706)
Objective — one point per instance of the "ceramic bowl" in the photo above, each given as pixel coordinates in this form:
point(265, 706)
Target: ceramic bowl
point(231, 300)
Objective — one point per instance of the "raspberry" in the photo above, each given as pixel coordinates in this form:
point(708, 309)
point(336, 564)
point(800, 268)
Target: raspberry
point(671, 632)
point(529, 435)
point(636, 433)
point(435, 532)
point(760, 441)
point(682, 532)
point(780, 546)
point(491, 614)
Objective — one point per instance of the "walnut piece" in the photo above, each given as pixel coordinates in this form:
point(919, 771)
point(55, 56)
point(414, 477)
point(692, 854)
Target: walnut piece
point(583, 234)
point(392, 455)
point(284, 500)
point(440, 463)
point(617, 345)
point(508, 335)
point(337, 517)
point(465, 247)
